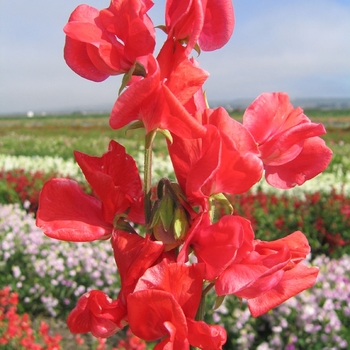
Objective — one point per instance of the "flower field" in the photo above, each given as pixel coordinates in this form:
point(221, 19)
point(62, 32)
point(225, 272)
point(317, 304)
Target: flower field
point(42, 279)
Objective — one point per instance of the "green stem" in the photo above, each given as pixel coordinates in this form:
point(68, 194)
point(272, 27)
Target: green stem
point(201, 308)
point(148, 175)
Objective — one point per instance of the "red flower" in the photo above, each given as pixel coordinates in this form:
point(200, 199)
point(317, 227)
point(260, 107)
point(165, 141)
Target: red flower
point(66, 213)
point(133, 255)
point(108, 42)
point(158, 99)
point(225, 159)
point(116, 181)
point(210, 22)
point(270, 274)
point(220, 244)
point(98, 314)
point(164, 304)
point(288, 142)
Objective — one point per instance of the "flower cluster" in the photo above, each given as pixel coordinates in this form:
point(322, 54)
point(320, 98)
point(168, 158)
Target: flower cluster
point(170, 246)
point(16, 330)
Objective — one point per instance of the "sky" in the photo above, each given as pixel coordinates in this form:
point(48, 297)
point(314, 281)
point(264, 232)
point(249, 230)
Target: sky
point(296, 46)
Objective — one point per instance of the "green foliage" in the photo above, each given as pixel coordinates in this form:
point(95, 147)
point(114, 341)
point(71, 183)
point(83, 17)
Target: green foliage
point(59, 136)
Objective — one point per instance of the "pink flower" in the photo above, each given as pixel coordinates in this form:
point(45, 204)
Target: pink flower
point(288, 142)
point(108, 42)
point(225, 159)
point(270, 274)
point(98, 314)
point(164, 304)
point(210, 22)
point(158, 99)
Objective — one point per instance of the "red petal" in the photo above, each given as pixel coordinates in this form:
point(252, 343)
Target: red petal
point(149, 311)
point(135, 98)
point(286, 146)
point(313, 159)
point(133, 255)
point(204, 336)
point(95, 312)
point(84, 13)
point(116, 181)
point(182, 281)
point(77, 58)
point(218, 245)
point(85, 32)
point(293, 282)
point(67, 213)
point(184, 20)
point(296, 242)
point(270, 114)
point(218, 25)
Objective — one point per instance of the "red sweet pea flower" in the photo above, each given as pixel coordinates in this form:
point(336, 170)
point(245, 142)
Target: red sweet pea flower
point(187, 292)
point(288, 142)
point(66, 213)
point(108, 42)
point(210, 22)
point(270, 274)
point(292, 282)
point(97, 313)
point(225, 159)
point(158, 99)
point(116, 181)
point(133, 255)
point(164, 304)
point(205, 336)
point(220, 244)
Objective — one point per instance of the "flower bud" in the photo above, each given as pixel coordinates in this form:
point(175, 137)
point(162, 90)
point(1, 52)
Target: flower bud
point(170, 219)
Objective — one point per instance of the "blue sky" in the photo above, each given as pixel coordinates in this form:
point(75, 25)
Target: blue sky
point(300, 47)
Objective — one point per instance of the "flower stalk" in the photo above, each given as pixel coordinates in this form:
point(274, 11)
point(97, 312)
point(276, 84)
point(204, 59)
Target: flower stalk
point(149, 139)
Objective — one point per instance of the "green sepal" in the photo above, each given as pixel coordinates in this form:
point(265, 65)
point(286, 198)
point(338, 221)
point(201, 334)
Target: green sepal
point(197, 49)
point(218, 301)
point(120, 224)
point(166, 211)
point(180, 223)
point(221, 198)
point(137, 69)
point(150, 138)
point(138, 124)
point(167, 134)
point(155, 215)
point(162, 27)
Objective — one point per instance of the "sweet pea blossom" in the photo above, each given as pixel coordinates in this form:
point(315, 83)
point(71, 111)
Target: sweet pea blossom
point(98, 314)
point(108, 42)
point(67, 213)
point(289, 143)
point(163, 306)
point(225, 159)
point(210, 22)
point(270, 274)
point(158, 99)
